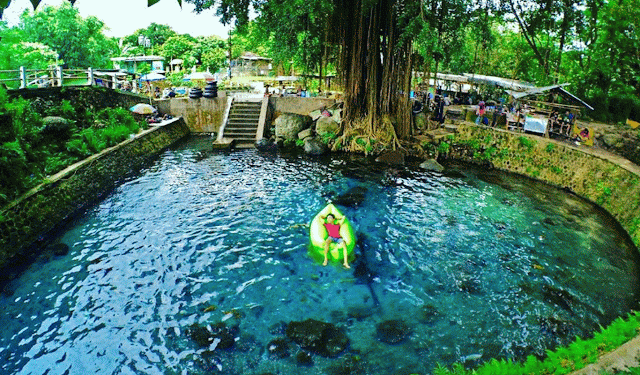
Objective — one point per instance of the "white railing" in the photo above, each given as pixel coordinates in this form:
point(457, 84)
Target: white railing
point(58, 77)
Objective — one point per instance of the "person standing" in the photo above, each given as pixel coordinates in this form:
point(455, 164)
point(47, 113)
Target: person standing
point(498, 112)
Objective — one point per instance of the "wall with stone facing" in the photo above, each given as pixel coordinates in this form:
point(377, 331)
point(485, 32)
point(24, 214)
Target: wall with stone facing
point(42, 209)
point(201, 115)
point(608, 180)
point(301, 106)
point(92, 97)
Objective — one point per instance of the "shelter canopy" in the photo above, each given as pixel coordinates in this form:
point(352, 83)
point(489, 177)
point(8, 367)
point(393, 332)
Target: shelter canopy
point(557, 89)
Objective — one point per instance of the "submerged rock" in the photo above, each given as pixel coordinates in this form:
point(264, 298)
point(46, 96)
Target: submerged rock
point(266, 145)
point(204, 336)
point(304, 359)
point(58, 249)
point(313, 146)
point(429, 314)
point(319, 337)
point(391, 157)
point(353, 197)
point(392, 331)
point(432, 165)
point(278, 348)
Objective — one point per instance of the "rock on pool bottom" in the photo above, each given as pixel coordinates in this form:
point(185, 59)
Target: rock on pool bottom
point(198, 265)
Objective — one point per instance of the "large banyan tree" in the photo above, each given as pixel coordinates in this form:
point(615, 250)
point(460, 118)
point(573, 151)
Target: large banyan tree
point(374, 45)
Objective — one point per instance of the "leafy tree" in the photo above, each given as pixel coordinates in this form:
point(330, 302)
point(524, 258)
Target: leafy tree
point(180, 47)
point(15, 52)
point(157, 33)
point(80, 42)
point(210, 51)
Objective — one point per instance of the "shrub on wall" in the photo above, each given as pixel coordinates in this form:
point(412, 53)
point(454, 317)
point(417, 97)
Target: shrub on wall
point(31, 149)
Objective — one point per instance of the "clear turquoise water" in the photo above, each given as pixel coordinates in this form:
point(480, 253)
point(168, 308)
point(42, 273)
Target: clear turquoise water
point(478, 264)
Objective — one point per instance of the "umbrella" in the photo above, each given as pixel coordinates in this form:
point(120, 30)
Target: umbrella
point(158, 71)
point(152, 77)
point(143, 109)
point(200, 75)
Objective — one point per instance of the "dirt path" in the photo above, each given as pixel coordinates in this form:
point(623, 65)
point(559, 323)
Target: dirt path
point(625, 357)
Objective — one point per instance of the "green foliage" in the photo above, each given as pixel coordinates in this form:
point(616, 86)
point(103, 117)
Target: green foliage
point(604, 193)
point(80, 42)
point(158, 34)
point(27, 157)
point(300, 142)
point(555, 169)
point(16, 51)
point(329, 136)
point(444, 148)
point(563, 360)
point(526, 142)
point(550, 147)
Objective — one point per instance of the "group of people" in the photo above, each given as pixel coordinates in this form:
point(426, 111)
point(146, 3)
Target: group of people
point(561, 124)
point(499, 112)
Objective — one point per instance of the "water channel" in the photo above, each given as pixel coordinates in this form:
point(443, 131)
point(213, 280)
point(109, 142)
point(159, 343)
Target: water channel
point(476, 264)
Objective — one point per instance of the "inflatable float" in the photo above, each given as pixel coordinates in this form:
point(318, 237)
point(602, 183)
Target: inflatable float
point(318, 235)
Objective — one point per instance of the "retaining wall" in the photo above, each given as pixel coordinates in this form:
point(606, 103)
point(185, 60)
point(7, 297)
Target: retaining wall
point(93, 97)
point(301, 106)
point(26, 220)
point(201, 115)
point(610, 181)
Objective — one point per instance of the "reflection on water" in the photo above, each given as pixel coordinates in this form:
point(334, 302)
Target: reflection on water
point(470, 265)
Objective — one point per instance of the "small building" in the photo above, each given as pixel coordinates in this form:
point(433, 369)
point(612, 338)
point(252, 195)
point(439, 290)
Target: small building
point(130, 64)
point(250, 64)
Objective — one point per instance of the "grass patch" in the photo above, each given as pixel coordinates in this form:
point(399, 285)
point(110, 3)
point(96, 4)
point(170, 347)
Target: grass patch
point(563, 360)
point(526, 143)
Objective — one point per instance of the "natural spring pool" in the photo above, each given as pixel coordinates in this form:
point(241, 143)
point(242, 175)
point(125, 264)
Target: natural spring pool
point(463, 265)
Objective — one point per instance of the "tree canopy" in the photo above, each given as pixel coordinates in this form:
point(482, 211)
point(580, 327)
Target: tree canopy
point(376, 46)
point(80, 42)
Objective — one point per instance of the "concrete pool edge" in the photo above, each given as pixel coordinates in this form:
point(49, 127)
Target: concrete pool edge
point(26, 220)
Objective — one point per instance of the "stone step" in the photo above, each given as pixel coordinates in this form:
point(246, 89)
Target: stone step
point(244, 118)
point(246, 109)
point(241, 126)
point(239, 131)
point(241, 137)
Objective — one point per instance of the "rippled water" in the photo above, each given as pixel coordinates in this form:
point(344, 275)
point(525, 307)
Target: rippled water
point(478, 264)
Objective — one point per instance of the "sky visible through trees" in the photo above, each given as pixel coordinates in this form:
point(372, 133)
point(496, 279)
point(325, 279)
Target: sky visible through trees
point(592, 44)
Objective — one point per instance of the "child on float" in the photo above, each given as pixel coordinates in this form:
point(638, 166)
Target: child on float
point(333, 228)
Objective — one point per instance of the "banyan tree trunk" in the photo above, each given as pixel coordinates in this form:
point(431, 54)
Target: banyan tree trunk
point(375, 63)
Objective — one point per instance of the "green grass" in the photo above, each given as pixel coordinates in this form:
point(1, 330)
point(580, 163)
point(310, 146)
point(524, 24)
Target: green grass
point(563, 360)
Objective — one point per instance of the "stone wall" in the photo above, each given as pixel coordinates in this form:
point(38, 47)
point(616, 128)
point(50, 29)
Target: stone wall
point(301, 106)
point(201, 115)
point(93, 97)
point(605, 179)
point(25, 221)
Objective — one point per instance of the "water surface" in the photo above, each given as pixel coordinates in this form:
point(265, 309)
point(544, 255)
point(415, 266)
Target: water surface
point(478, 264)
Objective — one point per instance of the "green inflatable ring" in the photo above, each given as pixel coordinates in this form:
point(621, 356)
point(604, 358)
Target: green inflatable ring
point(318, 235)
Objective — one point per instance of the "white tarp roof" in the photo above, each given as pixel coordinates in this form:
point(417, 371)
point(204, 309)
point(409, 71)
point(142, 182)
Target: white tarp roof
point(541, 90)
point(499, 81)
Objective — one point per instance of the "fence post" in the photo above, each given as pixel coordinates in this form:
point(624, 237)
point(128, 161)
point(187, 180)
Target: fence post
point(90, 74)
point(59, 75)
point(23, 77)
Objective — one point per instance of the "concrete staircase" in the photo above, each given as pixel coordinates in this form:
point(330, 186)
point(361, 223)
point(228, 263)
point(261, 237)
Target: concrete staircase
point(242, 123)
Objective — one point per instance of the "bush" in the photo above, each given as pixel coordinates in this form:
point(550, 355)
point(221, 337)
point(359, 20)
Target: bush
point(28, 152)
